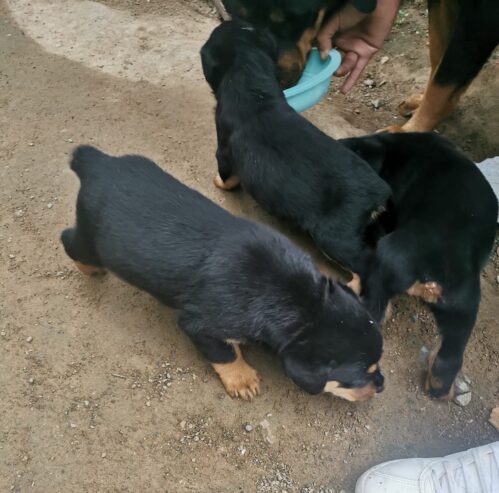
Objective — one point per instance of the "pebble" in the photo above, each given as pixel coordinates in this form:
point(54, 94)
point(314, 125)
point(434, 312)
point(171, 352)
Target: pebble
point(86, 403)
point(461, 385)
point(3, 333)
point(376, 103)
point(31, 380)
point(29, 339)
point(148, 403)
point(19, 213)
point(463, 399)
point(423, 354)
point(11, 255)
point(384, 59)
point(369, 83)
point(248, 427)
point(50, 205)
point(497, 279)
point(103, 455)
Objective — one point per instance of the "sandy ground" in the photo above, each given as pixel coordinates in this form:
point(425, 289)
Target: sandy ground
point(100, 390)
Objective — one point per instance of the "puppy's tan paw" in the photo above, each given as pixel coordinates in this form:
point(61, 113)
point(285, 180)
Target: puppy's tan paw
point(89, 270)
point(392, 129)
point(239, 378)
point(407, 107)
point(229, 184)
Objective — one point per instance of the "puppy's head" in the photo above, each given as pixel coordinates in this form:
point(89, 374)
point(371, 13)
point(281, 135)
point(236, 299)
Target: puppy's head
point(294, 23)
point(339, 351)
point(228, 40)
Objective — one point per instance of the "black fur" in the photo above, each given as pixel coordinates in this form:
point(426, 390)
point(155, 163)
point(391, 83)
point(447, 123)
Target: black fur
point(291, 168)
point(475, 35)
point(228, 277)
point(440, 227)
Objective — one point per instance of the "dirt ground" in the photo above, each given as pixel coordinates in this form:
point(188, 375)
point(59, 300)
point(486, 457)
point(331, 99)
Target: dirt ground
point(100, 389)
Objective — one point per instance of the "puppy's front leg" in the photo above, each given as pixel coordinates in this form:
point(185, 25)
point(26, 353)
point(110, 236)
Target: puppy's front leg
point(238, 378)
point(225, 179)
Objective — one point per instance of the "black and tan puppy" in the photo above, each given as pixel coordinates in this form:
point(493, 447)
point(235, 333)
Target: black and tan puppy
point(433, 240)
point(291, 168)
point(294, 23)
point(232, 280)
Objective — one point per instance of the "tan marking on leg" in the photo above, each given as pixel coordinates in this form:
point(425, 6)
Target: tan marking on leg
point(392, 129)
point(89, 270)
point(354, 284)
point(407, 107)
point(228, 184)
point(437, 102)
point(433, 382)
point(238, 378)
point(428, 291)
point(372, 368)
point(357, 394)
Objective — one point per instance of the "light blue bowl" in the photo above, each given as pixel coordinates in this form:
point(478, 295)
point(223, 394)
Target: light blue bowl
point(314, 81)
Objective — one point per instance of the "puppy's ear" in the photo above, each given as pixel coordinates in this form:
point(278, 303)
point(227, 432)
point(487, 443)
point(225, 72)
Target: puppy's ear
point(370, 149)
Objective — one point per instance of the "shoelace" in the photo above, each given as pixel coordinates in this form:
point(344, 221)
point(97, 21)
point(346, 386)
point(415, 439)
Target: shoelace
point(489, 481)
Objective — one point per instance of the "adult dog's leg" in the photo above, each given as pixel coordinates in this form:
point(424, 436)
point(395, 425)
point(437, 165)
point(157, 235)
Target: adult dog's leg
point(460, 43)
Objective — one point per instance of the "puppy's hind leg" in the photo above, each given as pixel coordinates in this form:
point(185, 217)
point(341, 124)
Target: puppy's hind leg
point(81, 252)
point(455, 316)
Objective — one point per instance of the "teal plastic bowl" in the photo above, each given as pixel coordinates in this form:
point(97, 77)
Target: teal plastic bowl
point(314, 81)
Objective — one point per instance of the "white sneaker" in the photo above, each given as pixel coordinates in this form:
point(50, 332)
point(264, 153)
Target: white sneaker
point(473, 471)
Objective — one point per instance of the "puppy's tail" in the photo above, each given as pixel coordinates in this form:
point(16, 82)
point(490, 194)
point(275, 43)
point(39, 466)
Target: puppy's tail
point(85, 158)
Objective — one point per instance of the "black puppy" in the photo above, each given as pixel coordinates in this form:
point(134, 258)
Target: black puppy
point(436, 236)
point(232, 280)
point(291, 168)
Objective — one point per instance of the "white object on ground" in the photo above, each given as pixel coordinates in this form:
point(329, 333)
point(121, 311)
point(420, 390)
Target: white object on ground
point(490, 169)
point(473, 471)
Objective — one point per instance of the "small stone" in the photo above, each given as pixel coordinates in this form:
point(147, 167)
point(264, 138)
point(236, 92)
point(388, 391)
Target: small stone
point(148, 403)
point(376, 103)
point(50, 205)
point(86, 403)
point(369, 83)
point(384, 59)
point(72, 425)
point(461, 386)
point(31, 380)
point(19, 213)
point(463, 399)
point(182, 424)
point(29, 339)
point(103, 455)
point(424, 353)
point(70, 141)
point(367, 427)
point(248, 427)
point(3, 333)
point(31, 144)
point(497, 279)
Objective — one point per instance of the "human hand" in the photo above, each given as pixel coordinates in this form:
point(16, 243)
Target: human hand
point(357, 37)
